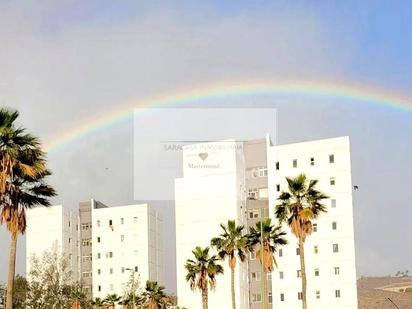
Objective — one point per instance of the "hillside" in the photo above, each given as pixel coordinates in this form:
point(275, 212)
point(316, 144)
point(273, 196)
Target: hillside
point(373, 293)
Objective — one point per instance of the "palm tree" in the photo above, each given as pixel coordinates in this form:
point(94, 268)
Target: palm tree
point(98, 303)
point(155, 294)
point(77, 297)
point(269, 237)
point(231, 243)
point(13, 141)
point(111, 300)
point(202, 272)
point(132, 300)
point(298, 208)
point(22, 184)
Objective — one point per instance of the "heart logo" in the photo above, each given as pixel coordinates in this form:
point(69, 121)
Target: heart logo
point(203, 155)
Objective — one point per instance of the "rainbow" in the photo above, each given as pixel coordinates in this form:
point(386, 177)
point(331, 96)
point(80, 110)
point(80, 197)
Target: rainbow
point(341, 91)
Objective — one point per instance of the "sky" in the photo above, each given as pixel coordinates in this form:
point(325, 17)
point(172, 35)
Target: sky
point(62, 62)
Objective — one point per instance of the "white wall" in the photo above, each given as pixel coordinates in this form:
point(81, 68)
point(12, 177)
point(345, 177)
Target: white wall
point(140, 223)
point(327, 282)
point(209, 194)
point(47, 226)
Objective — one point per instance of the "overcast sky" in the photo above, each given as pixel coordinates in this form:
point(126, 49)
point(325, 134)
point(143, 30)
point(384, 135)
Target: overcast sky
point(61, 62)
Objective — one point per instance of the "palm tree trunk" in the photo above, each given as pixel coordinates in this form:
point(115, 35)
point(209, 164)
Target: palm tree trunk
point(232, 286)
point(12, 270)
point(204, 298)
point(303, 271)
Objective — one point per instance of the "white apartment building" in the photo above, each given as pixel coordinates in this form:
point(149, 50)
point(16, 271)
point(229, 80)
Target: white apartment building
point(126, 240)
point(105, 245)
point(330, 250)
point(243, 184)
point(210, 192)
point(49, 226)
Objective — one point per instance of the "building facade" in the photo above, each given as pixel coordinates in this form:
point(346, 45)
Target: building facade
point(257, 205)
point(53, 226)
point(86, 243)
point(210, 192)
point(105, 245)
point(244, 185)
point(126, 241)
point(330, 249)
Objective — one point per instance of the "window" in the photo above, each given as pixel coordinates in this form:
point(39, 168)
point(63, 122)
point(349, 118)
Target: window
point(336, 270)
point(253, 194)
point(333, 203)
point(121, 220)
point(295, 163)
point(98, 255)
point(111, 287)
point(86, 258)
point(317, 272)
point(331, 158)
point(256, 276)
point(99, 271)
point(317, 294)
point(332, 181)
point(335, 248)
point(312, 161)
point(134, 219)
point(299, 273)
point(122, 270)
point(277, 166)
point(297, 251)
point(86, 242)
point(98, 239)
point(98, 223)
point(99, 288)
point(314, 227)
point(252, 256)
point(121, 238)
point(256, 297)
point(316, 249)
point(278, 187)
point(86, 226)
point(282, 297)
point(300, 295)
point(263, 172)
point(280, 275)
point(111, 271)
point(334, 225)
point(136, 269)
point(254, 214)
point(280, 252)
point(110, 222)
point(86, 274)
point(270, 297)
point(337, 293)
point(109, 254)
point(70, 240)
